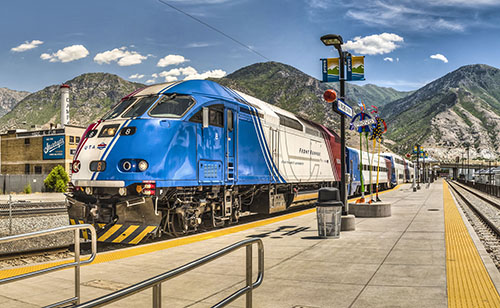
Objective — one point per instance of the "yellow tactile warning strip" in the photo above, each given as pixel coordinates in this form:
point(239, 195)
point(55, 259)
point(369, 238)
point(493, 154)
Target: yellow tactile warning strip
point(148, 248)
point(468, 281)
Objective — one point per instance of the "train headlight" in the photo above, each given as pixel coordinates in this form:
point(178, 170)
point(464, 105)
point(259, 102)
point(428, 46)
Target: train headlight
point(122, 191)
point(143, 165)
point(88, 190)
point(126, 165)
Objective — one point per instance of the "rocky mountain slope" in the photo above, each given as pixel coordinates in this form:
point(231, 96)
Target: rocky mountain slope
point(91, 95)
point(457, 110)
point(9, 98)
point(293, 90)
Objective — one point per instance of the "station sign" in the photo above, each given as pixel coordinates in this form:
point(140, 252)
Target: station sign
point(53, 147)
point(344, 108)
point(366, 122)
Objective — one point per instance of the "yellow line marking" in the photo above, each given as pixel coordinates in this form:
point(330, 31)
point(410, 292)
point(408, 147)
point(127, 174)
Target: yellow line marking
point(468, 281)
point(148, 248)
point(110, 232)
point(124, 235)
point(141, 235)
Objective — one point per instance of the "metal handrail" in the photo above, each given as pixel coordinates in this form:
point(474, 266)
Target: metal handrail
point(76, 264)
point(155, 282)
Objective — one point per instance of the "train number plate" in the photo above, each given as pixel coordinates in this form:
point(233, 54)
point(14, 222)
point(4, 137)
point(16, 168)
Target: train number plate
point(98, 166)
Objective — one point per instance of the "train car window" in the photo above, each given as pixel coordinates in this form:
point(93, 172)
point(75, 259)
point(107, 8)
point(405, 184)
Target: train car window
point(140, 106)
point(247, 111)
point(289, 122)
point(172, 106)
point(311, 131)
point(119, 108)
point(197, 117)
point(216, 118)
point(230, 120)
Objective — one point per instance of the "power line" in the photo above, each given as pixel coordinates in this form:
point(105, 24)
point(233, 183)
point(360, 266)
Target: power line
point(215, 29)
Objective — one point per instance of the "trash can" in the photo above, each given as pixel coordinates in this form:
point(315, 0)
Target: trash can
point(329, 212)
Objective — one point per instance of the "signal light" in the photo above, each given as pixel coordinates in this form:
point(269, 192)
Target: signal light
point(142, 165)
point(330, 95)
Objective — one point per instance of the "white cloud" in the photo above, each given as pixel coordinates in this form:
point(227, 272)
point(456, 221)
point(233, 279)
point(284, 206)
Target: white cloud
point(318, 4)
point(213, 73)
point(374, 44)
point(412, 15)
point(120, 55)
point(190, 73)
point(67, 54)
point(136, 76)
point(389, 59)
point(171, 60)
point(154, 75)
point(198, 45)
point(27, 46)
point(149, 81)
point(397, 59)
point(439, 56)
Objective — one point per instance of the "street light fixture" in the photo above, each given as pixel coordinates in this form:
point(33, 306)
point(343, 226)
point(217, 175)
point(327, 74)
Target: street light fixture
point(337, 41)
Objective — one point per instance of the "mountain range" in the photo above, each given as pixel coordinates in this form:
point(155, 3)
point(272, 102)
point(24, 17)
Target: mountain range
point(457, 110)
point(9, 98)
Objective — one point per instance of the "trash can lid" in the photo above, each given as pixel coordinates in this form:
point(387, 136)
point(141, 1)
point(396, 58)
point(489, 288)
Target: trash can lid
point(329, 203)
point(328, 194)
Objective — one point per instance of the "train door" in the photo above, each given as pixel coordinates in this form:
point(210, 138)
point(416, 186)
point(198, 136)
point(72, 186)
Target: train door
point(211, 146)
point(274, 142)
point(231, 142)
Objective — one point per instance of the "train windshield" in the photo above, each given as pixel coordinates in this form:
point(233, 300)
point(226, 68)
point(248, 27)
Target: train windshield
point(119, 108)
point(172, 106)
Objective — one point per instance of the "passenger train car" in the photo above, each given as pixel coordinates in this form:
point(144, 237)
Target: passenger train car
point(172, 157)
point(398, 170)
point(353, 159)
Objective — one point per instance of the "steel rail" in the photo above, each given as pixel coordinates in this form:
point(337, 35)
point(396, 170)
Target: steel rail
point(474, 208)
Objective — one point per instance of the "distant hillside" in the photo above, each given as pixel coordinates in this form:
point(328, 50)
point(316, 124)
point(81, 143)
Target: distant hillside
point(9, 98)
point(91, 95)
point(457, 110)
point(293, 90)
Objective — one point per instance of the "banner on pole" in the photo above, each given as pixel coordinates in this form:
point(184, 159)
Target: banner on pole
point(356, 71)
point(331, 69)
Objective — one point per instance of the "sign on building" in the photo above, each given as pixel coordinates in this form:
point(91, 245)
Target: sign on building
point(53, 147)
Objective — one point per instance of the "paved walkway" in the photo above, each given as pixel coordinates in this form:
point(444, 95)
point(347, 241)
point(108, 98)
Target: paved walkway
point(398, 261)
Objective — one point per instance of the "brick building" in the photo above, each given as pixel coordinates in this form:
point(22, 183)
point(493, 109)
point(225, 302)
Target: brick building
point(38, 151)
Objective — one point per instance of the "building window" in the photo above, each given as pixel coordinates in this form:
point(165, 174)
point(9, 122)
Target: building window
point(77, 139)
point(71, 139)
point(26, 140)
point(26, 168)
point(72, 152)
point(38, 169)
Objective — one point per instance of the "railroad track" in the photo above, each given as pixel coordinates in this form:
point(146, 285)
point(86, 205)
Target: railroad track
point(484, 216)
point(32, 208)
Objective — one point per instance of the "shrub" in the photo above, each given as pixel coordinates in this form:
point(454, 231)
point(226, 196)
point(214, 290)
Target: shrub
point(27, 189)
point(57, 180)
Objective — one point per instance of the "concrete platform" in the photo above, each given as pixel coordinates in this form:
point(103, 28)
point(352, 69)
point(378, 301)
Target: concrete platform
point(397, 261)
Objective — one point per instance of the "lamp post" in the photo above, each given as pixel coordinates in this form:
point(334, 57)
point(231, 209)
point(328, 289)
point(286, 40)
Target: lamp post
point(468, 164)
point(336, 41)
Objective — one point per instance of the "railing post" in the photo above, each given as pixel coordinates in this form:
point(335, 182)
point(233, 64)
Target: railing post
point(77, 266)
point(249, 277)
point(157, 296)
point(10, 214)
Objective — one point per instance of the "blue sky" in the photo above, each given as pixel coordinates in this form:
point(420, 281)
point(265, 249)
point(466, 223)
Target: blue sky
point(406, 43)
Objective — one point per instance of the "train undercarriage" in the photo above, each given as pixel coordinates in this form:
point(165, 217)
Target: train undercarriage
point(175, 210)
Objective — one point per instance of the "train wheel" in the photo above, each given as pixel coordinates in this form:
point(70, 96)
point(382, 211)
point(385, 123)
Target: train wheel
point(176, 224)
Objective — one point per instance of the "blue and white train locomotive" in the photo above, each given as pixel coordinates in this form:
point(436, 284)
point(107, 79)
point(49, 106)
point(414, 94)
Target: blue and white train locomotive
point(173, 157)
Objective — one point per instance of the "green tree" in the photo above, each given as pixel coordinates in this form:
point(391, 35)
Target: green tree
point(57, 180)
point(27, 189)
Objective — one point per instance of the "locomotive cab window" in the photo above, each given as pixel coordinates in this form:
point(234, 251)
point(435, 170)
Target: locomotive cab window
point(215, 115)
point(140, 106)
point(172, 106)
